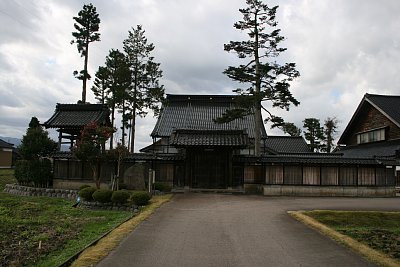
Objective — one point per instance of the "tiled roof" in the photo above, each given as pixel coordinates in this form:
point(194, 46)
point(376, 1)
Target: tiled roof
point(78, 115)
point(4, 144)
point(370, 150)
point(233, 138)
point(286, 144)
point(197, 112)
point(387, 104)
point(312, 159)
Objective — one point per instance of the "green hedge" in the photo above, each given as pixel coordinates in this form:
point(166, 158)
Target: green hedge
point(163, 187)
point(35, 172)
point(141, 198)
point(87, 193)
point(102, 195)
point(120, 196)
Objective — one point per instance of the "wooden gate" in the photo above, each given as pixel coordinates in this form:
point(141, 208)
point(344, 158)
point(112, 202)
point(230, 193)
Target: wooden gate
point(209, 168)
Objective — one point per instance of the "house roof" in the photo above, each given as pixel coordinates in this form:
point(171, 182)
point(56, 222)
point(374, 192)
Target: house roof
point(75, 116)
point(197, 112)
point(286, 144)
point(370, 150)
point(316, 158)
point(388, 105)
point(4, 144)
point(233, 138)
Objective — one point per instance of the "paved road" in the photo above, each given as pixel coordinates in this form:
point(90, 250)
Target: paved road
point(235, 230)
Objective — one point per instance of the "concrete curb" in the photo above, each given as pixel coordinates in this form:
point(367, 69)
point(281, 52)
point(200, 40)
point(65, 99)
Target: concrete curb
point(367, 252)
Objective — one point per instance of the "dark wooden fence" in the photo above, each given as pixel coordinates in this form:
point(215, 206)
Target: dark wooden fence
point(284, 174)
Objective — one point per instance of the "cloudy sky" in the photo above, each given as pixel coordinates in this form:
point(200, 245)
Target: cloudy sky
point(343, 49)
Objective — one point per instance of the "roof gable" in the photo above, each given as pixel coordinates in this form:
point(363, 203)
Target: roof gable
point(75, 116)
point(4, 144)
point(387, 105)
point(197, 112)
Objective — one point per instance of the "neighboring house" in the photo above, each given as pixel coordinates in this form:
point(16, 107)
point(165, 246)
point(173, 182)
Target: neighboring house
point(374, 129)
point(69, 120)
point(6, 154)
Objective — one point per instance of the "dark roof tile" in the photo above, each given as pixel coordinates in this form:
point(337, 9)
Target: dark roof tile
point(4, 144)
point(78, 115)
point(286, 144)
point(234, 138)
point(197, 112)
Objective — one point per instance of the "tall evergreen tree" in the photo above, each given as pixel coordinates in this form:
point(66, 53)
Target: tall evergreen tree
point(87, 27)
point(266, 80)
point(314, 134)
point(36, 143)
point(146, 92)
point(101, 85)
point(330, 130)
point(119, 82)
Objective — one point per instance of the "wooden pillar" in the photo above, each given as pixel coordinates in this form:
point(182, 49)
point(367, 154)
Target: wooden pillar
point(59, 140)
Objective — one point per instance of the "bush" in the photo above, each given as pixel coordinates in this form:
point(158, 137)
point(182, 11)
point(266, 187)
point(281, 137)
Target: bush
point(83, 186)
point(87, 193)
point(35, 171)
point(120, 196)
point(163, 187)
point(141, 198)
point(22, 172)
point(102, 195)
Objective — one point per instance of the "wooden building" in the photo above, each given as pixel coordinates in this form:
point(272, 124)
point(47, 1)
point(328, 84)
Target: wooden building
point(192, 152)
point(6, 154)
point(69, 120)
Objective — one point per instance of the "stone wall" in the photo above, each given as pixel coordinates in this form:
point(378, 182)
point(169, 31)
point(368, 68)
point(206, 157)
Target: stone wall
point(329, 191)
point(40, 192)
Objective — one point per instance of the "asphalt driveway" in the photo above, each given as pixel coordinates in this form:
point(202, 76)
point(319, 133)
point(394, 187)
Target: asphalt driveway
point(235, 230)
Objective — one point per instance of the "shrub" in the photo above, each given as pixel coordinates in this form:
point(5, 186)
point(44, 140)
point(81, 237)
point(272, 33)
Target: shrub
point(87, 193)
point(83, 186)
point(36, 171)
point(120, 196)
point(22, 172)
point(141, 198)
point(163, 187)
point(102, 195)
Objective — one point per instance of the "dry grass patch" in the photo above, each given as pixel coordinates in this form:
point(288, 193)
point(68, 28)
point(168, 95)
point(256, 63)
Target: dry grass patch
point(371, 254)
point(93, 255)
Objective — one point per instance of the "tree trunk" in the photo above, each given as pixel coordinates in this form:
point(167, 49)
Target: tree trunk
point(257, 106)
point(112, 123)
point(85, 74)
point(123, 123)
point(133, 125)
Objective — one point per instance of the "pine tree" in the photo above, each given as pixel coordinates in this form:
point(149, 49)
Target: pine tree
point(314, 134)
point(265, 80)
point(101, 84)
point(291, 129)
point(146, 92)
point(118, 87)
point(87, 27)
point(330, 130)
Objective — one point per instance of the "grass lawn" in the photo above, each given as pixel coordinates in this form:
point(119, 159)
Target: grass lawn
point(41, 231)
point(378, 230)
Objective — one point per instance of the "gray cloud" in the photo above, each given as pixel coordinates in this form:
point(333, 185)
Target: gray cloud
point(343, 49)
